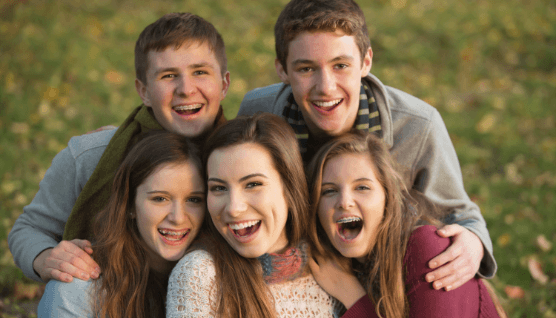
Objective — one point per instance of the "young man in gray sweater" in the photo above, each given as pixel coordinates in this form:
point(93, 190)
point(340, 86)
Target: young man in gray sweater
point(181, 77)
point(323, 59)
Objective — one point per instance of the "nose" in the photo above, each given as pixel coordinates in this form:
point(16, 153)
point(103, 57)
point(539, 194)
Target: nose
point(185, 86)
point(178, 213)
point(345, 200)
point(325, 82)
point(236, 204)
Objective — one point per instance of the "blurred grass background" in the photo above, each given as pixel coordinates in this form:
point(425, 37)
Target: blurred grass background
point(489, 67)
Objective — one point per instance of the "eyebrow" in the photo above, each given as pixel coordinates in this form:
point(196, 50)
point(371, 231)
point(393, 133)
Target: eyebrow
point(336, 59)
point(249, 176)
point(166, 192)
point(356, 180)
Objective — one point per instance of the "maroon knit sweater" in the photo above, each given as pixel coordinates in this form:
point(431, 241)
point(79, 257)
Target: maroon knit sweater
point(470, 300)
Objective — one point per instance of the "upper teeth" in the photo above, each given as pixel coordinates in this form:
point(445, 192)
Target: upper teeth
point(188, 107)
point(348, 219)
point(168, 232)
point(239, 226)
point(327, 104)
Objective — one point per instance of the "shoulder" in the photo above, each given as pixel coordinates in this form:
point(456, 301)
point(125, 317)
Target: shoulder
point(424, 244)
point(269, 99)
point(95, 142)
point(197, 260)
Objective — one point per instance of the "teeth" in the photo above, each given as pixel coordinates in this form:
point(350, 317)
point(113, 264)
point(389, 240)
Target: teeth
point(240, 226)
point(327, 104)
point(168, 232)
point(349, 219)
point(188, 107)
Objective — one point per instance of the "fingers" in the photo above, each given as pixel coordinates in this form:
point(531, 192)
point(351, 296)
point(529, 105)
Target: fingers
point(84, 245)
point(450, 254)
point(450, 230)
point(65, 261)
point(451, 275)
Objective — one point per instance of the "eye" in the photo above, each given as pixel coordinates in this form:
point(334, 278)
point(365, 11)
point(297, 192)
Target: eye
point(362, 187)
point(196, 200)
point(341, 66)
point(328, 191)
point(306, 69)
point(253, 184)
point(158, 199)
point(169, 76)
point(200, 72)
point(217, 188)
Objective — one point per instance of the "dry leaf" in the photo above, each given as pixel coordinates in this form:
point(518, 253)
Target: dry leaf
point(536, 270)
point(543, 243)
point(514, 292)
point(28, 291)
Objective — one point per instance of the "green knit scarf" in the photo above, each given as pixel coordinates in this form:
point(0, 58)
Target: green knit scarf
point(97, 190)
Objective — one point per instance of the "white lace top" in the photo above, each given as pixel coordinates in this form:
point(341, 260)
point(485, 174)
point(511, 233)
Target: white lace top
point(192, 292)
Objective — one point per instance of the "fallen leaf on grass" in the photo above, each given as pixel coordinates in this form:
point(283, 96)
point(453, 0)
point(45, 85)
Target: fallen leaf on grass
point(27, 291)
point(543, 243)
point(536, 270)
point(514, 292)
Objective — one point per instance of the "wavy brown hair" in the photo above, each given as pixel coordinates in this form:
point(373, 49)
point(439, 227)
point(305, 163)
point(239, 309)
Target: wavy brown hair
point(404, 210)
point(129, 287)
point(242, 291)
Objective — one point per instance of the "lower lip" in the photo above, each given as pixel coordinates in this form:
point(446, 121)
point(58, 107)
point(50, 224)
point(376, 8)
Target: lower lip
point(327, 110)
point(245, 239)
point(175, 243)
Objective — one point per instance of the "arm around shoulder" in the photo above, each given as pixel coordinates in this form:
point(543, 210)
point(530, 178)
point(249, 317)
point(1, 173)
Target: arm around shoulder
point(438, 176)
point(192, 287)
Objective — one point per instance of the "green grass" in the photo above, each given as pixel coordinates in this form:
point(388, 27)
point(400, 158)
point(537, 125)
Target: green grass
point(66, 67)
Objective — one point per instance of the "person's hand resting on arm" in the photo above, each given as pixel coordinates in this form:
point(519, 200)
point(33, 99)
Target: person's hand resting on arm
point(67, 260)
point(458, 263)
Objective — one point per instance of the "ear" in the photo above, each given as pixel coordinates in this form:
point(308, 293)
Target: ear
point(367, 62)
point(142, 91)
point(225, 84)
point(281, 72)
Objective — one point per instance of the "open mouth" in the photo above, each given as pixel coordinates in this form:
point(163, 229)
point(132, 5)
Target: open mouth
point(327, 106)
point(349, 227)
point(173, 236)
point(245, 229)
point(188, 109)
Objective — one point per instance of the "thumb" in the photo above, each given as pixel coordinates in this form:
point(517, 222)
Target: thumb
point(450, 230)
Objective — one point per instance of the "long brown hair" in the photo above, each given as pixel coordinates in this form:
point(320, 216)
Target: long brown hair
point(128, 286)
point(242, 291)
point(404, 210)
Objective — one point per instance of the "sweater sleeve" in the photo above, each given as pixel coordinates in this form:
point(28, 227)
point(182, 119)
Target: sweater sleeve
point(438, 176)
point(424, 301)
point(363, 308)
point(192, 287)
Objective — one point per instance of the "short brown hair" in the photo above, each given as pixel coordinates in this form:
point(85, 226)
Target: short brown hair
point(320, 15)
point(174, 29)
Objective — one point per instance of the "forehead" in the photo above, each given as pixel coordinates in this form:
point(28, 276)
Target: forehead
point(183, 173)
point(321, 45)
point(240, 160)
point(189, 54)
point(341, 167)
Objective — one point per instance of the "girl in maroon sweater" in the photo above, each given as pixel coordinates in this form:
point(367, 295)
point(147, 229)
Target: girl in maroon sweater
point(363, 212)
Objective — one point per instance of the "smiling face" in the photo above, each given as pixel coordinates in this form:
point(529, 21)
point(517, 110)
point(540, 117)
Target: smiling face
point(351, 205)
point(325, 71)
point(169, 210)
point(246, 199)
point(184, 88)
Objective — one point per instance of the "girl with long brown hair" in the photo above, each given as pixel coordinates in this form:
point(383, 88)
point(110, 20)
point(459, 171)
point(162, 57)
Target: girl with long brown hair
point(156, 209)
point(252, 260)
point(373, 238)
